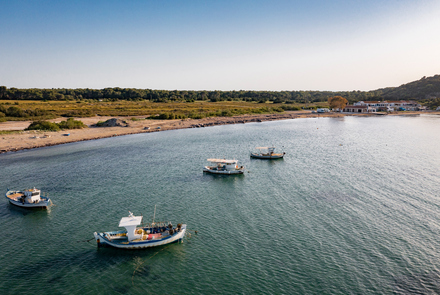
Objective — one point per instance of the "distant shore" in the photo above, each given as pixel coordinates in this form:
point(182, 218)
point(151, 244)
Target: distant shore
point(34, 139)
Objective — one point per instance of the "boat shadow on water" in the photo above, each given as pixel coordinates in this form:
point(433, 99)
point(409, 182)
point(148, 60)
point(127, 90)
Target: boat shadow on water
point(19, 211)
point(265, 162)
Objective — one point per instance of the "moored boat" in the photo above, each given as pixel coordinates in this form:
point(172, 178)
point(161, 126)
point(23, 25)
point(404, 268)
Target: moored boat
point(222, 166)
point(267, 153)
point(30, 198)
point(139, 237)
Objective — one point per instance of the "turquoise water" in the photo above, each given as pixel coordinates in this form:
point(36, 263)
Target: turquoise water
point(353, 208)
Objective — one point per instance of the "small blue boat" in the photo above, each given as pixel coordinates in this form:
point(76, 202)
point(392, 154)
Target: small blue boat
point(267, 153)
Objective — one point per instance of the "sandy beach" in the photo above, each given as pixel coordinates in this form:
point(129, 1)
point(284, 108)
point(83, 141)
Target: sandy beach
point(34, 139)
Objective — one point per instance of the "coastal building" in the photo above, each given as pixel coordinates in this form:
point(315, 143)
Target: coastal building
point(404, 105)
point(384, 106)
point(358, 109)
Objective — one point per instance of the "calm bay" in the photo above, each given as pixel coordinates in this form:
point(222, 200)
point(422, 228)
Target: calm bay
point(353, 208)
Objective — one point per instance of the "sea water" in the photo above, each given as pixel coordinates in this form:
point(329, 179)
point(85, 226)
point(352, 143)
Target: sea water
point(353, 208)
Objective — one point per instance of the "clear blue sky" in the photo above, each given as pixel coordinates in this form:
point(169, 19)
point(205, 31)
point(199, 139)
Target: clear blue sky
point(218, 45)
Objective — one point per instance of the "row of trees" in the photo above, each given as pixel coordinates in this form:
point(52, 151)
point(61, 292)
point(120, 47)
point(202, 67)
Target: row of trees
point(114, 94)
point(426, 90)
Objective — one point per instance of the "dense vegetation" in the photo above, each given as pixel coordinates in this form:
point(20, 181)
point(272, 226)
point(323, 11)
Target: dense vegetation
point(37, 104)
point(131, 94)
point(145, 108)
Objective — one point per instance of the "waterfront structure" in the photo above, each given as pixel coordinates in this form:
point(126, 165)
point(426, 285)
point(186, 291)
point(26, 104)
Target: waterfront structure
point(358, 109)
point(382, 106)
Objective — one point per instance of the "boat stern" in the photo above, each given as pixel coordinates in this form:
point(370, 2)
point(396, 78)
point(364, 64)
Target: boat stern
point(182, 230)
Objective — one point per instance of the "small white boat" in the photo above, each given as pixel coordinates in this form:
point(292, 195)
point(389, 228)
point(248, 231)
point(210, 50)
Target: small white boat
point(267, 153)
point(134, 237)
point(30, 198)
point(222, 166)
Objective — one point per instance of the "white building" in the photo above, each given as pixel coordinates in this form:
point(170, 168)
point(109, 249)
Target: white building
point(358, 109)
point(391, 106)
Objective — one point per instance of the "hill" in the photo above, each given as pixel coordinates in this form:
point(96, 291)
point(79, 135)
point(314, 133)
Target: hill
point(427, 88)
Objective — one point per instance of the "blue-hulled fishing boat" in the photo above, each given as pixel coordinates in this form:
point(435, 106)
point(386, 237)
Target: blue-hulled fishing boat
point(137, 237)
point(30, 198)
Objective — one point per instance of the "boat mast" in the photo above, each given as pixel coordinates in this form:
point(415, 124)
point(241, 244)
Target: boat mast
point(154, 213)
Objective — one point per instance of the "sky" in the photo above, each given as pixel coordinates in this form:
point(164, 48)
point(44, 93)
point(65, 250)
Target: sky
point(335, 45)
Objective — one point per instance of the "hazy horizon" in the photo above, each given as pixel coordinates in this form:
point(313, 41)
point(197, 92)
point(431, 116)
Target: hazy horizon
point(224, 45)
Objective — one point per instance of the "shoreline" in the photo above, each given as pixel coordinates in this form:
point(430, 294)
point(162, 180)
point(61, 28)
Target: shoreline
point(36, 139)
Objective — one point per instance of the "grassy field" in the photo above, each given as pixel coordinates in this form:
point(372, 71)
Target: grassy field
point(176, 110)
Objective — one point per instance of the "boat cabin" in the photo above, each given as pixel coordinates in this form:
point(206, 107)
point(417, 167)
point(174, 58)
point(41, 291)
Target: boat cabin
point(130, 223)
point(269, 149)
point(223, 164)
point(32, 195)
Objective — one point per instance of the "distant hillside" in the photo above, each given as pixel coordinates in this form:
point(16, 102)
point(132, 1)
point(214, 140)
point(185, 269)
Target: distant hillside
point(427, 88)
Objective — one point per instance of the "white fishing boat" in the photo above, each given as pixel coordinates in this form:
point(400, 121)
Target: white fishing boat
point(138, 237)
point(30, 198)
point(222, 166)
point(267, 153)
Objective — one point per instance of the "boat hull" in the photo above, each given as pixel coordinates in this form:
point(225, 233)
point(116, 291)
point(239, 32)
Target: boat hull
point(268, 157)
point(226, 172)
point(102, 241)
point(42, 204)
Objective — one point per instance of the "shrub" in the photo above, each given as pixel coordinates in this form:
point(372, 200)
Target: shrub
point(277, 109)
point(15, 112)
point(225, 113)
point(193, 115)
point(49, 126)
point(290, 108)
point(79, 113)
point(43, 125)
point(72, 124)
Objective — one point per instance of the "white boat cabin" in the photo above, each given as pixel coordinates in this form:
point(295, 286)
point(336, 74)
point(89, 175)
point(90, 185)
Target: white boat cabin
point(32, 195)
point(130, 223)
